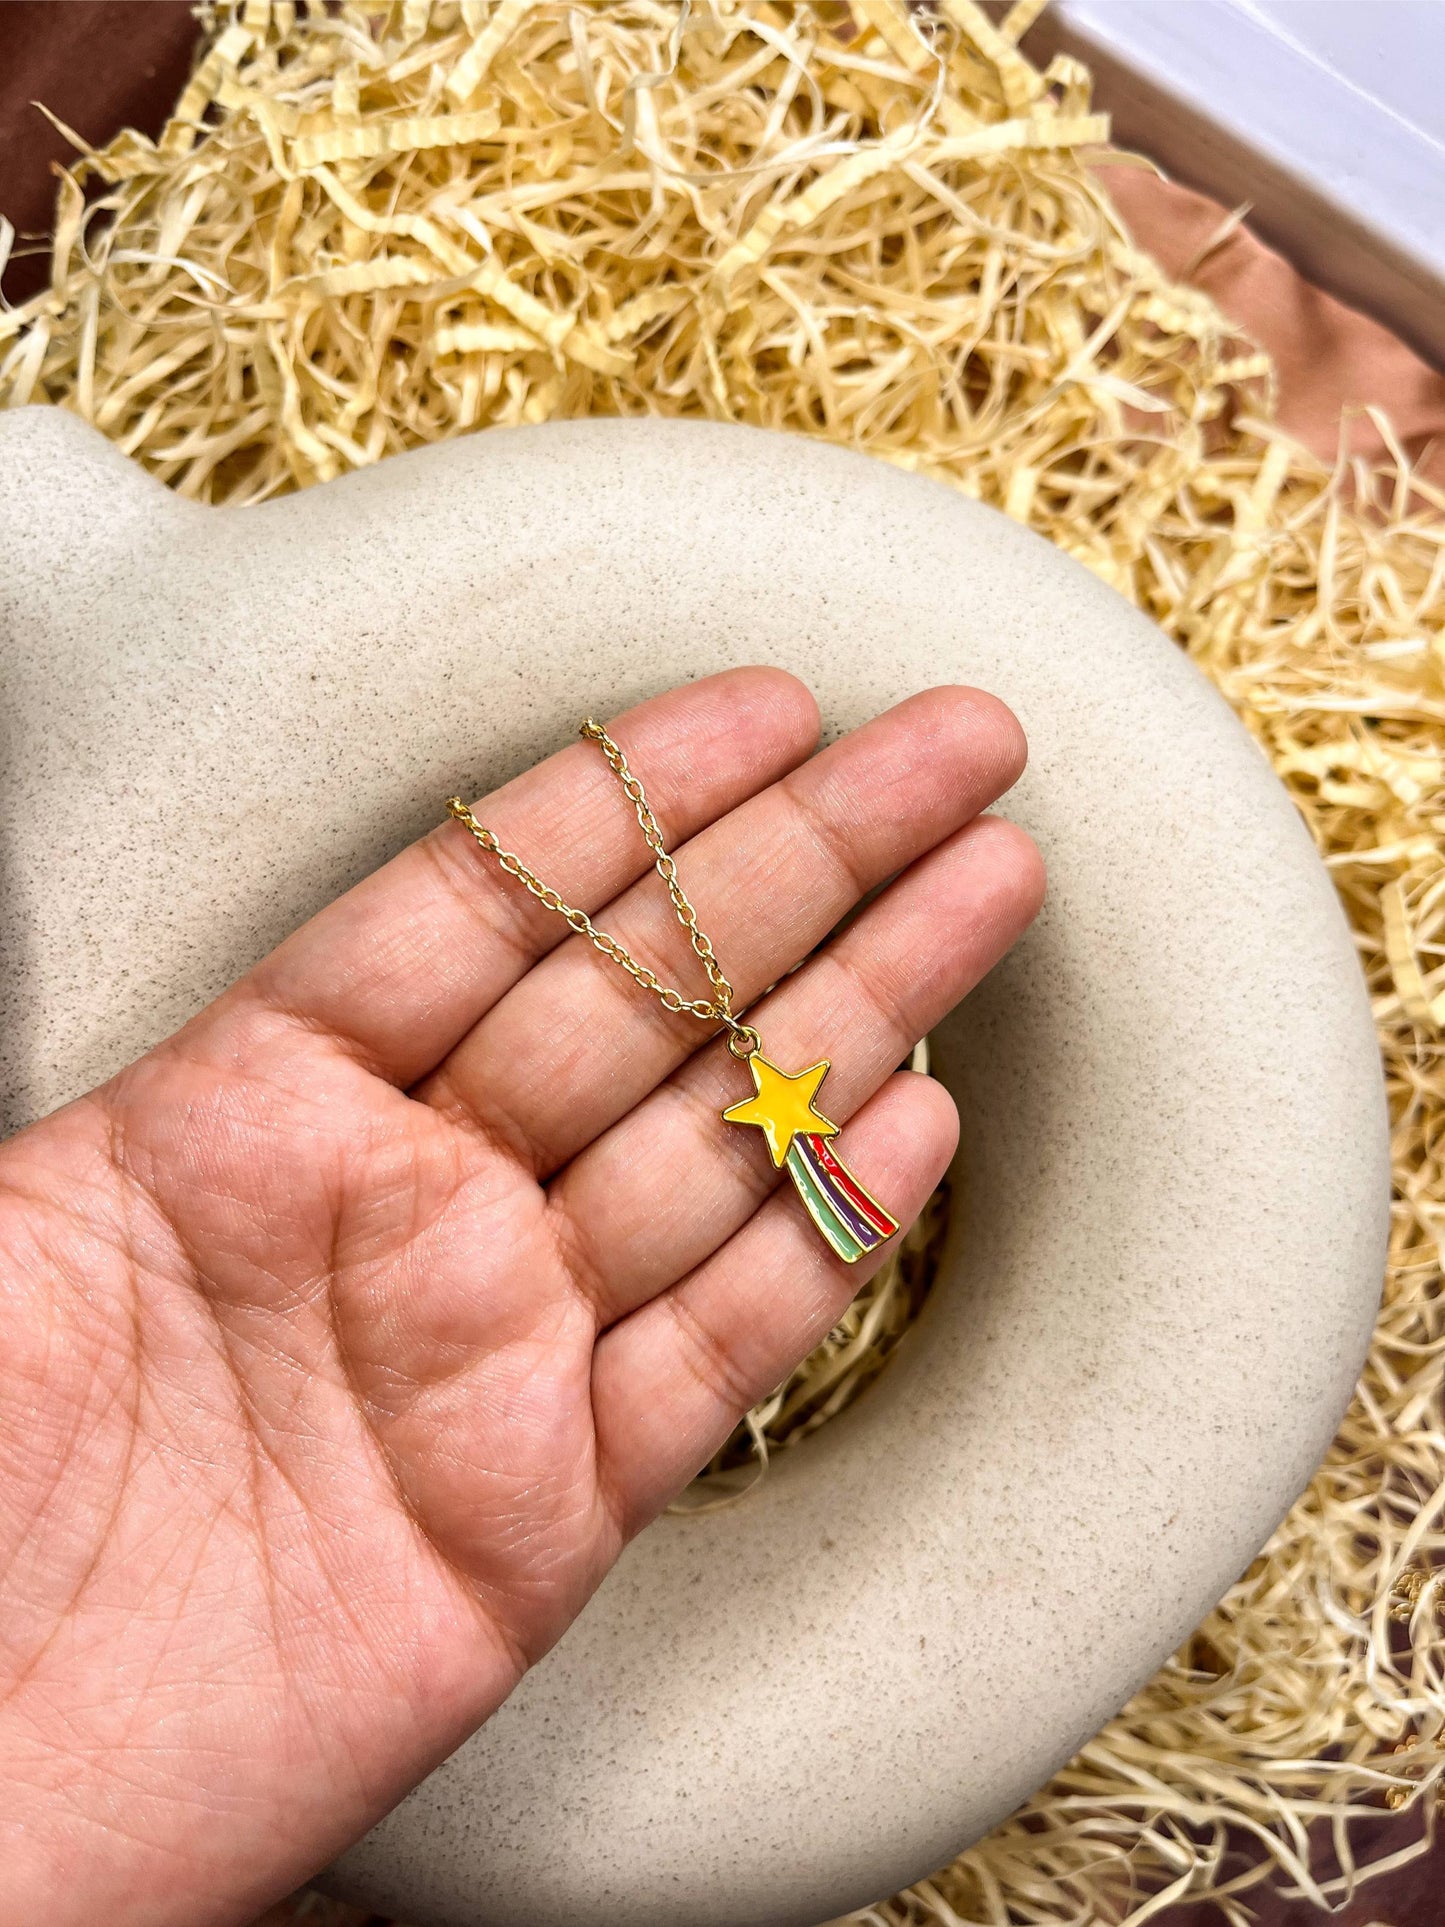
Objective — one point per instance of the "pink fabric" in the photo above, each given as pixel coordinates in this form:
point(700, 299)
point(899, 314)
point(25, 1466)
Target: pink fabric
point(1330, 358)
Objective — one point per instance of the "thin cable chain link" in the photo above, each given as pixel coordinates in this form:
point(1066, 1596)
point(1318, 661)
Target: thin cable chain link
point(719, 1011)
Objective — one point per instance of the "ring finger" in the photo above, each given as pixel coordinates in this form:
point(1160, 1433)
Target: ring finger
point(667, 1184)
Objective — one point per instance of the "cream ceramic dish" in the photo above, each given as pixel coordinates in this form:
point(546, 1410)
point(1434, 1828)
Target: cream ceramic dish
point(1173, 1178)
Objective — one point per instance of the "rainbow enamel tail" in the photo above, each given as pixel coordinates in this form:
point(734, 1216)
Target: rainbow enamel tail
point(853, 1222)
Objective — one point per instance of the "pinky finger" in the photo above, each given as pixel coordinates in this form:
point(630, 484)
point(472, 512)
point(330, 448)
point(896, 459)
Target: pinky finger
point(670, 1381)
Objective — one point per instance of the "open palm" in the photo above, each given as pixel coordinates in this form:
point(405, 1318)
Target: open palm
point(347, 1337)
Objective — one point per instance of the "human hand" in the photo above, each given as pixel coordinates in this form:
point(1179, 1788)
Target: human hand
point(347, 1337)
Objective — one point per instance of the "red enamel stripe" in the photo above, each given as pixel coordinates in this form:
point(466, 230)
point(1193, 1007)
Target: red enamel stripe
point(840, 1173)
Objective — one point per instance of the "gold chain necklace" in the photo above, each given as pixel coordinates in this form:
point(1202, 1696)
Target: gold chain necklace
point(781, 1107)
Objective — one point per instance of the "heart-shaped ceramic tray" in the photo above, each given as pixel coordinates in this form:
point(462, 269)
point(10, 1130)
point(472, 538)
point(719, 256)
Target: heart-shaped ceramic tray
point(1172, 1179)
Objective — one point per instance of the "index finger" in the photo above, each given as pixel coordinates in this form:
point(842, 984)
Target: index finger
point(402, 966)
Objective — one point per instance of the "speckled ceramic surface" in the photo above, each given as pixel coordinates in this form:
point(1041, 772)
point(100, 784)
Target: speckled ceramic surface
point(1173, 1163)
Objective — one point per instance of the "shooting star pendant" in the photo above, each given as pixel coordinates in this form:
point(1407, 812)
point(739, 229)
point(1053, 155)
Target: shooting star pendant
point(782, 1108)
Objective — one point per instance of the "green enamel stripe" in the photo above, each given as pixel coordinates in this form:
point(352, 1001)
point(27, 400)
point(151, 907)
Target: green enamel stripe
point(847, 1246)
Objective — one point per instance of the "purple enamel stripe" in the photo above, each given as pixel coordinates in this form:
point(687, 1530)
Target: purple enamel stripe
point(867, 1234)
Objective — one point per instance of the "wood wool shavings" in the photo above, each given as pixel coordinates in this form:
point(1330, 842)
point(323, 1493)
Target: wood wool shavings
point(371, 226)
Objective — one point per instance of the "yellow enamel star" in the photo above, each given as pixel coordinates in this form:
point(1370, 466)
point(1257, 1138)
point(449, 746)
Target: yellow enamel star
point(783, 1105)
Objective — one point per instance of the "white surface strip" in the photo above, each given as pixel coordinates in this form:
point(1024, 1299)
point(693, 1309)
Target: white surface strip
point(1326, 116)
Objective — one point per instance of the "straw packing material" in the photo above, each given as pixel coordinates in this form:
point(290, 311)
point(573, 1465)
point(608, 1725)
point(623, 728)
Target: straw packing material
point(371, 226)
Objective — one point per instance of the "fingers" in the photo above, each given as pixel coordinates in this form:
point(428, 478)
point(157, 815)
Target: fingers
point(577, 1043)
point(669, 1182)
point(671, 1381)
point(403, 965)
